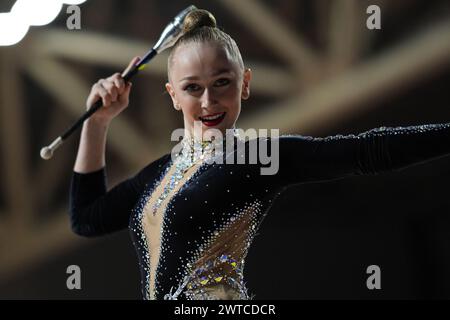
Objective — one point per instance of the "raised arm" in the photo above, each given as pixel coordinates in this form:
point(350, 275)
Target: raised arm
point(384, 149)
point(93, 210)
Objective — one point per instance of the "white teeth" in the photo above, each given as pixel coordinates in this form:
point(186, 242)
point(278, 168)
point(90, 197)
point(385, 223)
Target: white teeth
point(212, 117)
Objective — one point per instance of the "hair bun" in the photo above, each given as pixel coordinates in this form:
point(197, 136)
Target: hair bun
point(199, 18)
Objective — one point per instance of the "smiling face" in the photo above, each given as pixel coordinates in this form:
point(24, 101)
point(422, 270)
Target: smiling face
point(207, 85)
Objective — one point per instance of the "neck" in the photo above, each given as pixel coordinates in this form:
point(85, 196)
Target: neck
point(199, 147)
point(197, 135)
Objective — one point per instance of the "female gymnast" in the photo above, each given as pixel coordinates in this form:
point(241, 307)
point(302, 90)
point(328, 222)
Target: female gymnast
point(192, 220)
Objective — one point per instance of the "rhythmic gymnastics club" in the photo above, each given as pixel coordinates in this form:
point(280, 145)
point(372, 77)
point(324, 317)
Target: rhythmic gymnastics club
point(172, 32)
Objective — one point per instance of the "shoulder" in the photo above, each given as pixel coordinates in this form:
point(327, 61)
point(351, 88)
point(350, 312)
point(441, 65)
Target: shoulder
point(284, 139)
point(154, 167)
point(158, 163)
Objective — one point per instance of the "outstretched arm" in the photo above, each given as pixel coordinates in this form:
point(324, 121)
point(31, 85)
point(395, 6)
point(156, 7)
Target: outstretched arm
point(384, 149)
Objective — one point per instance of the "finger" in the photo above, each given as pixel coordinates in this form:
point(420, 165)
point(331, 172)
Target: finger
point(119, 82)
point(123, 98)
point(103, 93)
point(93, 98)
point(111, 89)
point(94, 95)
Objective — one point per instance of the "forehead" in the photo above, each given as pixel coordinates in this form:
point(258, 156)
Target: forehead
point(202, 60)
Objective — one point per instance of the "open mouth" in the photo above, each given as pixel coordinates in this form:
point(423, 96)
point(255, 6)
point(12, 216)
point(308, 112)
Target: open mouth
point(213, 119)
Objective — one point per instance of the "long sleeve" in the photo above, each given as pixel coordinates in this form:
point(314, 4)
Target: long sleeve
point(94, 211)
point(384, 149)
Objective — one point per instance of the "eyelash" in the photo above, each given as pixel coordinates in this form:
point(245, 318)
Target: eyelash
point(189, 87)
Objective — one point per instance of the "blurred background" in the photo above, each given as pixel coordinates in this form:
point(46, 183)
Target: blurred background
point(318, 70)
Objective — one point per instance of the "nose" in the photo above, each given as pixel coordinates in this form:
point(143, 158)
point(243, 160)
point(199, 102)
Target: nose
point(208, 98)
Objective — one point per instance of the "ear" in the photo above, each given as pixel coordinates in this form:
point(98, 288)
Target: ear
point(246, 84)
point(172, 95)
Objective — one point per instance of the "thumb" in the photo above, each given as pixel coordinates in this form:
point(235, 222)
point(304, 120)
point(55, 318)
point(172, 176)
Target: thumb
point(132, 63)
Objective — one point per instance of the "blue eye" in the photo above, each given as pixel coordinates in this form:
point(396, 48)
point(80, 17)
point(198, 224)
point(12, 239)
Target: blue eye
point(222, 82)
point(192, 87)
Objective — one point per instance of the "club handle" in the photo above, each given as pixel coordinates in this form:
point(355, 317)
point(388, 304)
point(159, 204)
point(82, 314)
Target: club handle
point(127, 74)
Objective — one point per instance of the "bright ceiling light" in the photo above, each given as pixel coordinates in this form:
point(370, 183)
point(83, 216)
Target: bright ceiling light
point(12, 29)
point(14, 25)
point(74, 1)
point(36, 13)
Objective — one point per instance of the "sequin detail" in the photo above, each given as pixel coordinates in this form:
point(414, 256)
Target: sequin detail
point(136, 226)
point(197, 214)
point(192, 153)
point(219, 260)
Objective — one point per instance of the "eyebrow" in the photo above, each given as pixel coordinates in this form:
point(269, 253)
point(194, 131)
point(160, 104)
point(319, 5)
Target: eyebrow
point(218, 72)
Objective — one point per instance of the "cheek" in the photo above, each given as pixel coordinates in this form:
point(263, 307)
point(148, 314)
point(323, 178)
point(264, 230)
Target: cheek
point(232, 96)
point(191, 106)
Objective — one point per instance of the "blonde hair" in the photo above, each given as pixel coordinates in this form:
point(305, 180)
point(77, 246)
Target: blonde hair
point(200, 26)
